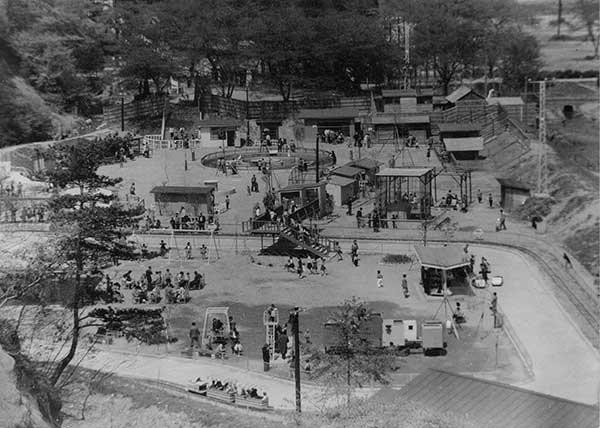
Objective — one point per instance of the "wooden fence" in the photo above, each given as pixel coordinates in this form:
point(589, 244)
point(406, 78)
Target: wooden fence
point(139, 109)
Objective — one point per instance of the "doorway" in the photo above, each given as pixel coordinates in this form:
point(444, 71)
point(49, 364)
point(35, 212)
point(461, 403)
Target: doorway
point(230, 138)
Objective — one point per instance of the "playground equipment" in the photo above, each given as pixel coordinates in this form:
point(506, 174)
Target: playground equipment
point(219, 329)
point(271, 321)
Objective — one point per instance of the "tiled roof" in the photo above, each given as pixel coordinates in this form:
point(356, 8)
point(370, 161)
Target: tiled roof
point(459, 127)
point(466, 144)
point(496, 405)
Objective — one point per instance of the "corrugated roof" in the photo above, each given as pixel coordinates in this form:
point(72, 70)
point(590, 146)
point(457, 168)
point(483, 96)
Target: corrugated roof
point(391, 119)
point(300, 186)
point(506, 101)
point(489, 404)
point(329, 113)
point(515, 184)
point(219, 122)
point(365, 163)
point(450, 257)
point(341, 181)
point(460, 93)
point(459, 127)
point(183, 190)
point(347, 171)
point(467, 144)
point(398, 93)
point(403, 172)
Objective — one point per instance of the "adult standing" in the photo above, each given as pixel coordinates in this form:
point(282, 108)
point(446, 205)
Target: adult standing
point(405, 286)
point(227, 202)
point(359, 218)
point(479, 196)
point(194, 336)
point(491, 200)
point(502, 220)
point(354, 253)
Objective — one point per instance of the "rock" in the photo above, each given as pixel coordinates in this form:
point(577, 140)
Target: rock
point(16, 408)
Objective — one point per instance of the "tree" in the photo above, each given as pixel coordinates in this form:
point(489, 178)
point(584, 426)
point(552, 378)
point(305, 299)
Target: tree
point(353, 361)
point(587, 12)
point(90, 225)
point(521, 59)
point(449, 34)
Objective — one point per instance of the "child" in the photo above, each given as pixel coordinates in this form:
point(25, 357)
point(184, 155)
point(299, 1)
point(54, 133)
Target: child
point(379, 279)
point(405, 286)
point(323, 268)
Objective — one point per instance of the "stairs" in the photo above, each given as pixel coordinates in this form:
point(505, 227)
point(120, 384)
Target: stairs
point(317, 246)
point(310, 210)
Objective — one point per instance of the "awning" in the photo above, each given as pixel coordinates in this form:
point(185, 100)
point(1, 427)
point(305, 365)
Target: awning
point(467, 144)
point(403, 172)
point(444, 258)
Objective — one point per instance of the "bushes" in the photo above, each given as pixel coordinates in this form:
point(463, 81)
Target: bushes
point(396, 259)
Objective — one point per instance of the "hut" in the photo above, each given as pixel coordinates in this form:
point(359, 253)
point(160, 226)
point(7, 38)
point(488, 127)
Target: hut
point(342, 189)
point(406, 193)
point(219, 132)
point(464, 148)
point(513, 193)
point(369, 167)
point(513, 106)
point(195, 199)
point(305, 194)
point(348, 171)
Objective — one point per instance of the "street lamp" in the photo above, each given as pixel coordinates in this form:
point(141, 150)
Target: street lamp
point(248, 80)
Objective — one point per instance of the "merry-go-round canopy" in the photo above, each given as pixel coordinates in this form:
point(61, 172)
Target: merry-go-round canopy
point(444, 258)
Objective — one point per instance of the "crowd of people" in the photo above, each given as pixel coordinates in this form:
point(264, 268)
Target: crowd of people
point(155, 287)
point(231, 387)
point(314, 266)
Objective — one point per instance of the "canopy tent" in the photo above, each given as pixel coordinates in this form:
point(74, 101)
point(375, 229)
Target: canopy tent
point(443, 258)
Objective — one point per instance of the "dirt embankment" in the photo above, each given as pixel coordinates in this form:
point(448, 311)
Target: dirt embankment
point(573, 215)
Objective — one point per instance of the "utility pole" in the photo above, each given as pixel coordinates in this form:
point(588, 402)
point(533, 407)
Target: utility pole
point(296, 330)
point(122, 113)
point(542, 169)
point(317, 161)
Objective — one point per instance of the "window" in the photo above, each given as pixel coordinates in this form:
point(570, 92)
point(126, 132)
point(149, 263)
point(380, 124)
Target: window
point(217, 133)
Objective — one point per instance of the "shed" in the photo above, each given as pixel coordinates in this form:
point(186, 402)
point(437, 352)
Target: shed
point(464, 148)
point(219, 132)
point(459, 130)
point(405, 192)
point(463, 93)
point(386, 125)
point(305, 193)
point(370, 167)
point(348, 171)
point(490, 404)
point(335, 119)
point(195, 199)
point(513, 106)
point(513, 193)
point(342, 189)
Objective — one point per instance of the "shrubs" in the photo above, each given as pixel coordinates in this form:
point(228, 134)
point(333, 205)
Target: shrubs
point(396, 259)
point(540, 207)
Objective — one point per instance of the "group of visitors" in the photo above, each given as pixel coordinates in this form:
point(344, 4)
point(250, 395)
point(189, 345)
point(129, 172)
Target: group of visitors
point(233, 388)
point(154, 287)
point(313, 266)
point(332, 137)
point(12, 214)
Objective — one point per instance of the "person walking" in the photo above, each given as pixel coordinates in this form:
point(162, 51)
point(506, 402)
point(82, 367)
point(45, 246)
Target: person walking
point(188, 251)
point(354, 253)
point(479, 196)
point(194, 336)
point(491, 201)
point(405, 286)
point(227, 202)
point(567, 260)
point(502, 220)
point(359, 218)
point(428, 155)
point(494, 304)
point(379, 279)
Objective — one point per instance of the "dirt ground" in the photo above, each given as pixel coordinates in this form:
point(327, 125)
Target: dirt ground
point(248, 289)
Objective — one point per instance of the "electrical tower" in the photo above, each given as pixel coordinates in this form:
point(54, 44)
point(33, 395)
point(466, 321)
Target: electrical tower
point(542, 167)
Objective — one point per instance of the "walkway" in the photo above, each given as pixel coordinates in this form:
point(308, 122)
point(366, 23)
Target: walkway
point(180, 371)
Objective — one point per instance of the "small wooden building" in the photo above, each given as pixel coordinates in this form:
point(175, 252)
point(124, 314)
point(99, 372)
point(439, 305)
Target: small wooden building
point(513, 106)
point(195, 199)
point(305, 193)
point(464, 148)
point(342, 189)
point(219, 132)
point(334, 119)
point(513, 193)
point(348, 171)
point(405, 192)
point(369, 167)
